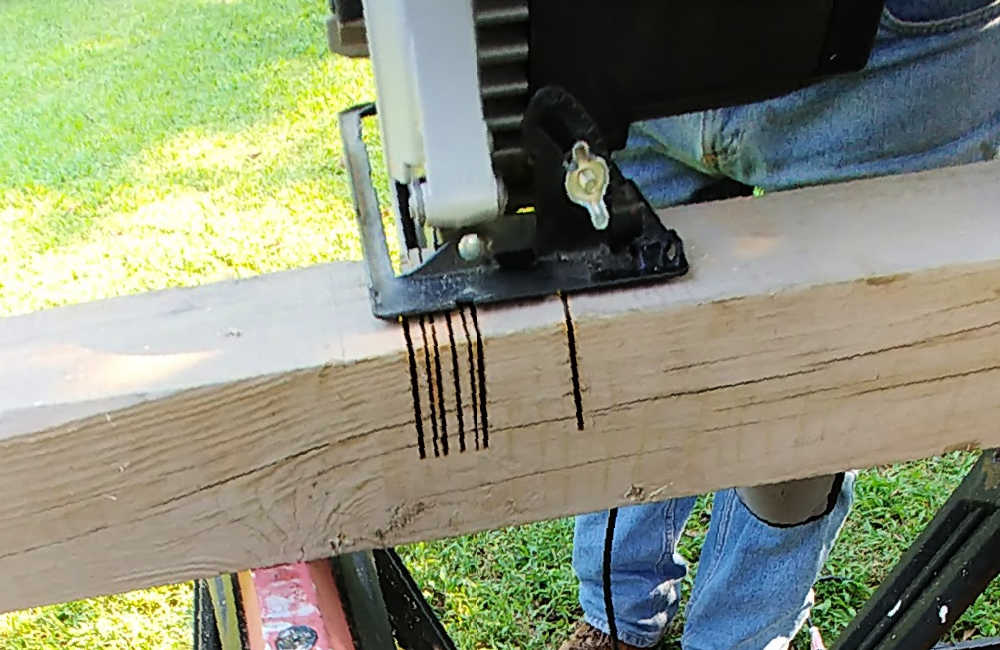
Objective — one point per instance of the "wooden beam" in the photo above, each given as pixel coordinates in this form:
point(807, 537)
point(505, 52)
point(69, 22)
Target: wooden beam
point(185, 433)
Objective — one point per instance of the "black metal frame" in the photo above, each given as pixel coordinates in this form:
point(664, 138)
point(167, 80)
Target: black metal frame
point(361, 595)
point(949, 565)
point(390, 600)
point(414, 623)
point(218, 614)
point(205, 631)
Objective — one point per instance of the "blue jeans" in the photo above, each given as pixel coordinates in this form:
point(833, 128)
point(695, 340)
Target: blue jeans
point(930, 97)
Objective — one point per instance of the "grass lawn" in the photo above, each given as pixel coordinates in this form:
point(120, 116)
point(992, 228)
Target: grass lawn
point(174, 142)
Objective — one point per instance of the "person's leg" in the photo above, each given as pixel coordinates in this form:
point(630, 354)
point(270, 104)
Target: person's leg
point(930, 97)
point(665, 178)
point(753, 585)
point(645, 568)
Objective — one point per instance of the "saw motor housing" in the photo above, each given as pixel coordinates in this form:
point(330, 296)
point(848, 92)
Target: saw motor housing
point(499, 119)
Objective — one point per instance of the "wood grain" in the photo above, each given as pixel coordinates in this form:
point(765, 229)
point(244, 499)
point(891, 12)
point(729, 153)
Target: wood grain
point(166, 436)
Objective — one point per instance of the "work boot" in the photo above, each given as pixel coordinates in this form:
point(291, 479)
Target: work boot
point(587, 637)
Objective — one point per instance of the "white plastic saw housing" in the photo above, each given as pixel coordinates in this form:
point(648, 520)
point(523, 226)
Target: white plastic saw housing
point(429, 107)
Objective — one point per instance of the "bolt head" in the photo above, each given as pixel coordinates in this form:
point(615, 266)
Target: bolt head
point(471, 247)
point(297, 637)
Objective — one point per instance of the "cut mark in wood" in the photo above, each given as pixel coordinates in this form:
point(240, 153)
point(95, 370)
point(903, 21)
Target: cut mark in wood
point(430, 387)
point(414, 386)
point(880, 280)
point(971, 445)
point(472, 378)
point(460, 416)
point(439, 387)
point(481, 376)
point(574, 369)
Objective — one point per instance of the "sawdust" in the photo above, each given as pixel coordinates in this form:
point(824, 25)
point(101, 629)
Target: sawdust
point(635, 493)
point(401, 517)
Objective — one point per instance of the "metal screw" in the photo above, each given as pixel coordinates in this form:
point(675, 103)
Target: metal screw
point(471, 247)
point(296, 637)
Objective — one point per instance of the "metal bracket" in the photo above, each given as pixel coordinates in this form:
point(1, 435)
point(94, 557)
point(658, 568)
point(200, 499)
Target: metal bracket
point(414, 623)
point(952, 562)
point(446, 281)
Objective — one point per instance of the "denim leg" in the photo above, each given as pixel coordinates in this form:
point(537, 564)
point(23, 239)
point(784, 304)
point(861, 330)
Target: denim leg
point(660, 169)
point(754, 580)
point(929, 97)
point(645, 568)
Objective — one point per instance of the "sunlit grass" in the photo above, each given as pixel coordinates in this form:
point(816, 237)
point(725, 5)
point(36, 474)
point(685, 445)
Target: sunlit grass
point(151, 619)
point(154, 144)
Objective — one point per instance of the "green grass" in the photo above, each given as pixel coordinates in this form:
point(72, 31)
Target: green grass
point(176, 142)
point(151, 619)
point(157, 143)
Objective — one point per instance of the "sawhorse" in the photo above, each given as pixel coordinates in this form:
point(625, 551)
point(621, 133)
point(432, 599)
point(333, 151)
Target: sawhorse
point(369, 601)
